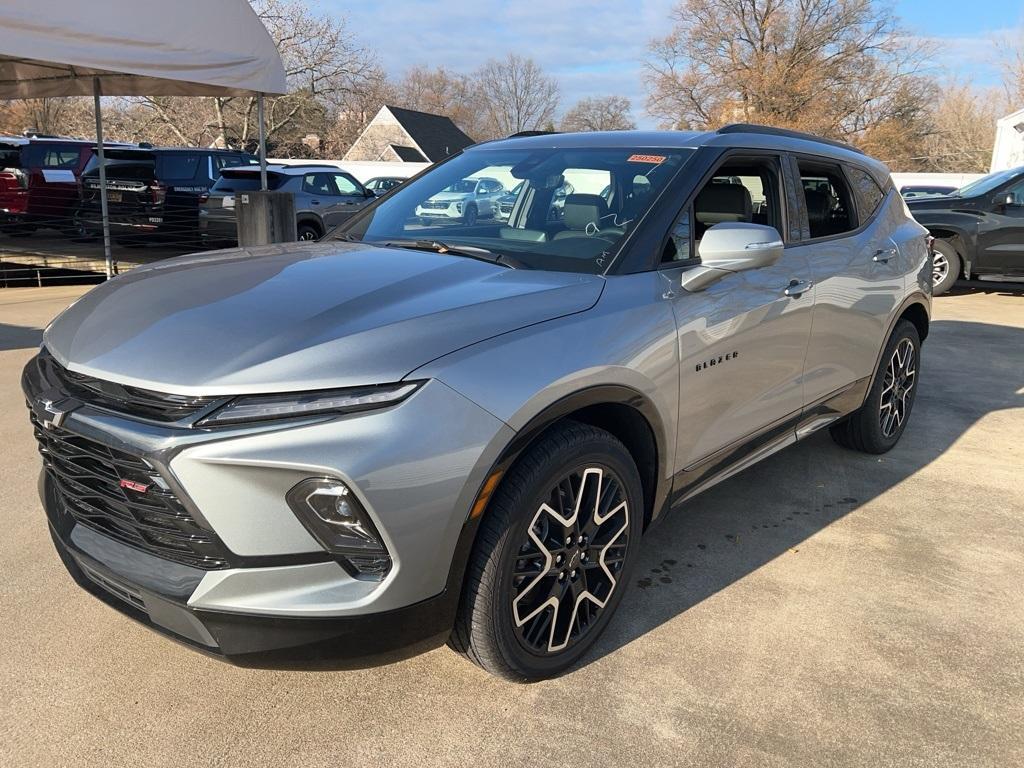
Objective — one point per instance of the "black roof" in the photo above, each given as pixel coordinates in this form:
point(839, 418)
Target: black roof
point(408, 154)
point(436, 135)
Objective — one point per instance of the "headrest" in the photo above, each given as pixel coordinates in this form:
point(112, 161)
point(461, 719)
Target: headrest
point(583, 210)
point(718, 203)
point(819, 204)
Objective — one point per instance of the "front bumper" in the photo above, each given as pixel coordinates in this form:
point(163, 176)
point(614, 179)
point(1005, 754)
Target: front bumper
point(280, 595)
point(155, 593)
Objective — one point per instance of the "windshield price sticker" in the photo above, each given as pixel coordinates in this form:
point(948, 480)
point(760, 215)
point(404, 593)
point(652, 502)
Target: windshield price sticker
point(655, 159)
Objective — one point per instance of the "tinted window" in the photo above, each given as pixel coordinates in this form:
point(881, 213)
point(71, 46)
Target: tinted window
point(137, 166)
point(51, 156)
point(869, 194)
point(246, 182)
point(177, 165)
point(829, 205)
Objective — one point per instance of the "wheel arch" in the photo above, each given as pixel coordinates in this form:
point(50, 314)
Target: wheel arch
point(623, 411)
point(914, 309)
point(312, 220)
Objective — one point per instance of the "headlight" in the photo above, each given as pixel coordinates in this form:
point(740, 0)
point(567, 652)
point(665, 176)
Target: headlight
point(458, 207)
point(333, 515)
point(262, 407)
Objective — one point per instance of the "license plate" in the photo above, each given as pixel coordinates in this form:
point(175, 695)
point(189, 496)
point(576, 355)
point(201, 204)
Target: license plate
point(113, 196)
point(229, 202)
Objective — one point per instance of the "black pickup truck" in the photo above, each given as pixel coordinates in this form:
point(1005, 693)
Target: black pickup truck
point(978, 230)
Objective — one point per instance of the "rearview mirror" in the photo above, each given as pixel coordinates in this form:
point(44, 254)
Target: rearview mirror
point(733, 247)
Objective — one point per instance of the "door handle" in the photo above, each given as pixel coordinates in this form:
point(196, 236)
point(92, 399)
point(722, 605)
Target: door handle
point(798, 288)
point(314, 202)
point(882, 255)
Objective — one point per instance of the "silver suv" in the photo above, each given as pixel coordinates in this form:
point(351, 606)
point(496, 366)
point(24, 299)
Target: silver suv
point(408, 434)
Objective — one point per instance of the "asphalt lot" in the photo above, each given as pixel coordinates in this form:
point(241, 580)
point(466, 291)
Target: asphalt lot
point(822, 608)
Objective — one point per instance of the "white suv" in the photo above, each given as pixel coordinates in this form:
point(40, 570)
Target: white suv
point(466, 200)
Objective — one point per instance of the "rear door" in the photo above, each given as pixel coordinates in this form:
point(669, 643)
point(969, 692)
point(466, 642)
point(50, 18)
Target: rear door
point(847, 223)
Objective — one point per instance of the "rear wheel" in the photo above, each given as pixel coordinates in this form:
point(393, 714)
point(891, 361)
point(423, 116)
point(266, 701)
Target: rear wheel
point(945, 266)
point(877, 426)
point(470, 216)
point(308, 232)
point(553, 556)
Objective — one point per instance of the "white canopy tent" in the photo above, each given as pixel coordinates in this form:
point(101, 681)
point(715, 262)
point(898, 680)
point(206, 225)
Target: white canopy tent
point(134, 48)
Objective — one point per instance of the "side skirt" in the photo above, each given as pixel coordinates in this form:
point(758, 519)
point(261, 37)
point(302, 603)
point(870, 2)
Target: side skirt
point(732, 459)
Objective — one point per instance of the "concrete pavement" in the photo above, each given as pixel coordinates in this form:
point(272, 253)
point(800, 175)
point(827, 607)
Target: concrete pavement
point(822, 608)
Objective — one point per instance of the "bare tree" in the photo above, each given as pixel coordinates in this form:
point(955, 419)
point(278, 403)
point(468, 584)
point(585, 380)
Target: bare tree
point(515, 96)
point(963, 130)
point(1011, 59)
point(839, 68)
point(442, 92)
point(607, 113)
point(325, 68)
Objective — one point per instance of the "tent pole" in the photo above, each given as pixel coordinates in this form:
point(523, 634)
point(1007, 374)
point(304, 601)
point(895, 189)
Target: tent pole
point(103, 177)
point(263, 142)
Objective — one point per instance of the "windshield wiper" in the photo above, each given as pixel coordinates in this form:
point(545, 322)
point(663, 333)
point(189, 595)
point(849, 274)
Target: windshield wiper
point(469, 251)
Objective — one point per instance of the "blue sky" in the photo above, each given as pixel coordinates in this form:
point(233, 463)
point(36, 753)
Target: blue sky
point(597, 47)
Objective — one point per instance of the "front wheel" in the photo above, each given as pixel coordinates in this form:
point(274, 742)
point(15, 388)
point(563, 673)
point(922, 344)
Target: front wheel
point(878, 424)
point(470, 216)
point(945, 266)
point(307, 233)
point(553, 555)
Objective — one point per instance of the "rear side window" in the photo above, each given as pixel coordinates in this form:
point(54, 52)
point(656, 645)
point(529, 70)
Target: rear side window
point(828, 199)
point(52, 156)
point(869, 194)
point(177, 165)
point(245, 182)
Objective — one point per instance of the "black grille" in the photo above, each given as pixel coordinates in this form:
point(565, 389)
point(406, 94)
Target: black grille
point(132, 401)
point(88, 477)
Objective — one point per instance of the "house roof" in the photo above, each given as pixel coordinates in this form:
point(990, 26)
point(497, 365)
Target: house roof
point(408, 154)
point(436, 135)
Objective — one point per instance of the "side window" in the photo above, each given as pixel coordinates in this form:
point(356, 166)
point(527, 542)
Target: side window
point(742, 190)
point(869, 194)
point(343, 185)
point(178, 165)
point(829, 204)
point(318, 184)
point(1017, 190)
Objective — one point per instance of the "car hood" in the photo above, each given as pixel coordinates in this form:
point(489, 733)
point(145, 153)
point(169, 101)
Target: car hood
point(300, 317)
point(449, 197)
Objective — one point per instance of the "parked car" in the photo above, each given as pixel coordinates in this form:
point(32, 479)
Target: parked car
point(403, 435)
point(39, 181)
point(153, 192)
point(324, 198)
point(465, 200)
point(915, 191)
point(380, 185)
point(978, 229)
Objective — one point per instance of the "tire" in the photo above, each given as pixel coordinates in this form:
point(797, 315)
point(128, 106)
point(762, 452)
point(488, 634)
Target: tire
point(499, 625)
point(470, 216)
point(946, 266)
point(307, 232)
point(878, 424)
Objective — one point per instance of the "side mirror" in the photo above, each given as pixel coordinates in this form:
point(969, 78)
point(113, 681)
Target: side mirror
point(1007, 200)
point(368, 192)
point(733, 247)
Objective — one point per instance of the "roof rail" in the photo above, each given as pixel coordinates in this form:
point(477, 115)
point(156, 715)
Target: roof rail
point(769, 131)
point(524, 134)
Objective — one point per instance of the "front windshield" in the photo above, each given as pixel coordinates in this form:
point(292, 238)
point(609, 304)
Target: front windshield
point(987, 183)
point(554, 209)
point(466, 185)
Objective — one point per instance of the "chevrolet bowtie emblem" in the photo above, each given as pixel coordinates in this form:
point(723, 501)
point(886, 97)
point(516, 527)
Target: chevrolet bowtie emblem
point(54, 413)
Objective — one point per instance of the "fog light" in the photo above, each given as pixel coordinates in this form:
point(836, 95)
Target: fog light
point(333, 515)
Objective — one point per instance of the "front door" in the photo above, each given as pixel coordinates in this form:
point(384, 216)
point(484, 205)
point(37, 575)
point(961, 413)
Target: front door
point(1001, 232)
point(743, 339)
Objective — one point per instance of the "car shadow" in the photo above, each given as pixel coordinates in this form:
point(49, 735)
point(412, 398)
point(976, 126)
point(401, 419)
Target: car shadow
point(771, 509)
point(19, 337)
point(990, 287)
